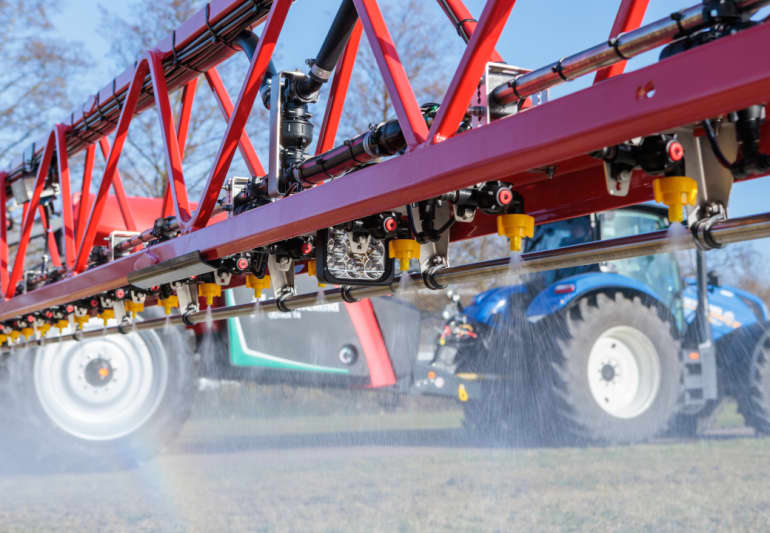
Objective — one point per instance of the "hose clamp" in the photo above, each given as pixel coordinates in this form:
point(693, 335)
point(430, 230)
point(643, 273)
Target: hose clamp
point(705, 217)
point(280, 301)
point(437, 263)
point(319, 73)
point(123, 326)
point(187, 315)
point(347, 296)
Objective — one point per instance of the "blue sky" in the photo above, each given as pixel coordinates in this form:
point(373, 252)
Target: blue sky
point(537, 33)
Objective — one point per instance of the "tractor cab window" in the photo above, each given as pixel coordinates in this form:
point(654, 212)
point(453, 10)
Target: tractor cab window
point(660, 272)
point(559, 234)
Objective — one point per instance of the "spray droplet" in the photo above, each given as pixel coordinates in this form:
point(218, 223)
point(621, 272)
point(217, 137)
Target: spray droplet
point(513, 276)
point(405, 283)
point(677, 236)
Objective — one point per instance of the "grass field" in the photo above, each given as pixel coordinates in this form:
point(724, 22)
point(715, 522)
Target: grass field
point(406, 469)
point(417, 470)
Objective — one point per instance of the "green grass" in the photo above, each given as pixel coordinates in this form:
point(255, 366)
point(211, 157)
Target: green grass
point(399, 480)
point(347, 464)
point(415, 470)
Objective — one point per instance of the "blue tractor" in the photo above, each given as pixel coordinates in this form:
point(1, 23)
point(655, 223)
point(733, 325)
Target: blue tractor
point(611, 352)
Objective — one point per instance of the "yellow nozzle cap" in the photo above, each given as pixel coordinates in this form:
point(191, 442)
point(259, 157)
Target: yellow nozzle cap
point(462, 393)
point(404, 250)
point(169, 303)
point(312, 270)
point(515, 227)
point(107, 314)
point(15, 335)
point(134, 307)
point(3, 338)
point(257, 284)
point(27, 332)
point(82, 320)
point(209, 291)
point(61, 324)
point(675, 192)
point(43, 329)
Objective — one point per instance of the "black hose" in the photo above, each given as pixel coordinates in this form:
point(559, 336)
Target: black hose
point(331, 49)
point(248, 42)
point(423, 236)
point(712, 138)
point(458, 24)
point(412, 227)
point(337, 38)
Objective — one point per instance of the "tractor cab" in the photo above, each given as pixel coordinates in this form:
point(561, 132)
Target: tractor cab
point(545, 293)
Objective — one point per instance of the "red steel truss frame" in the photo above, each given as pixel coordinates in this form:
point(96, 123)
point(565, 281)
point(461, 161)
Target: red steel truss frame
point(554, 135)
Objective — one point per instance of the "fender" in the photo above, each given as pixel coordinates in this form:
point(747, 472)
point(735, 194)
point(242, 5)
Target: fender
point(567, 290)
point(730, 308)
point(490, 303)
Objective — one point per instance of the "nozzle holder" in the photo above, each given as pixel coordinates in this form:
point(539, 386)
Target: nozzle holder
point(106, 315)
point(516, 227)
point(675, 192)
point(169, 303)
point(404, 250)
point(134, 307)
point(209, 291)
point(257, 284)
point(312, 267)
point(82, 320)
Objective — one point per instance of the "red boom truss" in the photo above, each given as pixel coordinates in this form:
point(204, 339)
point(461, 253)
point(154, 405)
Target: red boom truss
point(555, 135)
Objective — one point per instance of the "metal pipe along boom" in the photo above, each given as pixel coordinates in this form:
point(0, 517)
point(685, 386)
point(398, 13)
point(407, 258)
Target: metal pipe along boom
point(625, 46)
point(725, 232)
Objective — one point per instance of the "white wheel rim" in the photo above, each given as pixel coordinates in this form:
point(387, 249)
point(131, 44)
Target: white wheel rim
point(138, 376)
point(624, 372)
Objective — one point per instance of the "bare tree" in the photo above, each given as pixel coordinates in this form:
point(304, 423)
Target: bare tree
point(429, 50)
point(737, 265)
point(143, 163)
point(36, 67)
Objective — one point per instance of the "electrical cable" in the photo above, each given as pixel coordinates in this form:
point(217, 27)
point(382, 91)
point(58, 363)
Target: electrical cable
point(711, 136)
point(417, 235)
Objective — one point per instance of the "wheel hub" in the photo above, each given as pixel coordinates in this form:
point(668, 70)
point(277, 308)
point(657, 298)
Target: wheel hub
point(101, 388)
point(624, 372)
point(98, 372)
point(608, 372)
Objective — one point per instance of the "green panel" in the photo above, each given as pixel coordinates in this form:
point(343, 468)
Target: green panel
point(242, 355)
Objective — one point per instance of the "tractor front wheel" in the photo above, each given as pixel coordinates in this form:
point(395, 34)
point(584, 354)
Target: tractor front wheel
point(615, 373)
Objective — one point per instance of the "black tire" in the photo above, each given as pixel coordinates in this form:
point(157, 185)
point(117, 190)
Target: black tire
point(162, 414)
point(512, 409)
point(753, 388)
point(576, 416)
point(689, 426)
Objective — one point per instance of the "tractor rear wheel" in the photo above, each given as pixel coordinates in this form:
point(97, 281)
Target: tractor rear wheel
point(110, 400)
point(615, 372)
point(689, 426)
point(753, 389)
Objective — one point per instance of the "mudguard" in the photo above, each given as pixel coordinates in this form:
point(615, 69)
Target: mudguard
point(559, 295)
point(730, 308)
